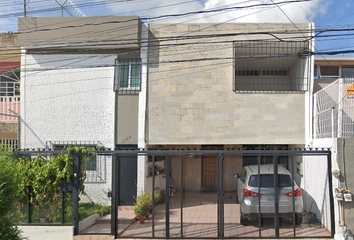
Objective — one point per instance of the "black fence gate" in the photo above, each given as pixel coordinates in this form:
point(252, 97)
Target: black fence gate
point(182, 209)
point(189, 211)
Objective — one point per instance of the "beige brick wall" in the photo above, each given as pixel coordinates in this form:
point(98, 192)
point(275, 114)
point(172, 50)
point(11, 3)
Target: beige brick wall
point(192, 171)
point(194, 102)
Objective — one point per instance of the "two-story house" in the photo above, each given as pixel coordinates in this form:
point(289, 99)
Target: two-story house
point(9, 89)
point(115, 81)
point(216, 86)
point(69, 96)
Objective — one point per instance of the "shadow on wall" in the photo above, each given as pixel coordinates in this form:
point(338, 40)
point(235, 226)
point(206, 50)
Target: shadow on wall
point(29, 130)
point(316, 213)
point(154, 51)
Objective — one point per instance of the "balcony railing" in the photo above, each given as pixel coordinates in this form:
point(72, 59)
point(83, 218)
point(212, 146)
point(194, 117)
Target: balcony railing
point(8, 143)
point(334, 110)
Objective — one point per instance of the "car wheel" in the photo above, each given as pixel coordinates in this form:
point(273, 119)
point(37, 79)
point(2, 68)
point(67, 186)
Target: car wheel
point(243, 221)
point(298, 219)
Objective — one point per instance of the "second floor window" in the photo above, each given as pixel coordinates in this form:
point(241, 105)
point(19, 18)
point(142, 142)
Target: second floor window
point(10, 84)
point(127, 74)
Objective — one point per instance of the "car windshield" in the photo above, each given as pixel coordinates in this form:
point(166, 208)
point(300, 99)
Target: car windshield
point(267, 180)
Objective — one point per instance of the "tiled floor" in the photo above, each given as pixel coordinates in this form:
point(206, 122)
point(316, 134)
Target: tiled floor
point(200, 221)
point(103, 225)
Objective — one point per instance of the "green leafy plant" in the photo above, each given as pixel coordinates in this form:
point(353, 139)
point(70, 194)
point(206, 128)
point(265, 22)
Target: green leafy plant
point(143, 205)
point(45, 177)
point(9, 183)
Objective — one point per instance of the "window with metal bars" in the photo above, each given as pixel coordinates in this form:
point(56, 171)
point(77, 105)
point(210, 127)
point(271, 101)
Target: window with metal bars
point(91, 161)
point(270, 66)
point(10, 83)
point(127, 75)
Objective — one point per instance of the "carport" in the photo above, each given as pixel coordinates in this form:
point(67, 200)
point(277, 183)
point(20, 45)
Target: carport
point(215, 214)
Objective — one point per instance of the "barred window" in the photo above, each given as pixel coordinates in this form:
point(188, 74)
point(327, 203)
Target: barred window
point(127, 75)
point(10, 83)
point(270, 66)
point(91, 161)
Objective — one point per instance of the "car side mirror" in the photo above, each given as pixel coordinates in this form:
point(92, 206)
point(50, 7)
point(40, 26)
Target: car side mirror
point(236, 175)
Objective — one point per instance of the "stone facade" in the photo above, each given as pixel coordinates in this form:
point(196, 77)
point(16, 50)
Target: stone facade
point(191, 98)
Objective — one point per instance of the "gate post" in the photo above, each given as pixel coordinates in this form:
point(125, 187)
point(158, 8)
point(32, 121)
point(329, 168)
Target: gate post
point(167, 198)
point(276, 197)
point(220, 195)
point(76, 192)
point(114, 200)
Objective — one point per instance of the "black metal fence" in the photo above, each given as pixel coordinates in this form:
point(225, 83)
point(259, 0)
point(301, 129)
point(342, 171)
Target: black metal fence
point(198, 195)
point(193, 210)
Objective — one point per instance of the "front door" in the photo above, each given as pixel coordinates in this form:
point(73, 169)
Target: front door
point(210, 170)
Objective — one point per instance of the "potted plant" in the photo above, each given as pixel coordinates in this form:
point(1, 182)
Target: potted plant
point(143, 205)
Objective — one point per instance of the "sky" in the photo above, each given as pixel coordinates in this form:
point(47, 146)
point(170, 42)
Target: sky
point(326, 14)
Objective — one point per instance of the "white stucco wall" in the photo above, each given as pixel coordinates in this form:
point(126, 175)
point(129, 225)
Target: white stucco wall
point(69, 98)
point(315, 187)
point(330, 143)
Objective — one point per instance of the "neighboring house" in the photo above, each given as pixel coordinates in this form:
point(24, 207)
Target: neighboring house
point(68, 93)
point(334, 126)
point(9, 88)
point(327, 70)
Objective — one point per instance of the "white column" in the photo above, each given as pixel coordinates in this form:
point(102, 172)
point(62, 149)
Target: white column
point(340, 107)
point(23, 98)
point(142, 160)
point(309, 93)
point(337, 209)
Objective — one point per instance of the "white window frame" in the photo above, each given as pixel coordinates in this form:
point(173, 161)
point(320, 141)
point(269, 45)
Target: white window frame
point(9, 91)
point(117, 80)
point(319, 75)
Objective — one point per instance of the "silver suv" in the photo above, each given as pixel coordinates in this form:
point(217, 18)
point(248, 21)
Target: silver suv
point(248, 195)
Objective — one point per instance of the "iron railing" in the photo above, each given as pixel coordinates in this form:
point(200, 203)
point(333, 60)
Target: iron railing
point(333, 110)
point(271, 66)
point(9, 143)
point(219, 209)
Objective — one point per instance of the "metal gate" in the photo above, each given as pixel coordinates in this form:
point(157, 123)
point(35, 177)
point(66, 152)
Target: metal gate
point(189, 214)
point(127, 167)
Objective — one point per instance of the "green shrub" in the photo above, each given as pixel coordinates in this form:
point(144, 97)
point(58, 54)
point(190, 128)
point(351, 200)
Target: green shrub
point(143, 204)
point(9, 187)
